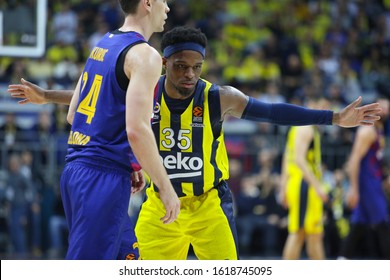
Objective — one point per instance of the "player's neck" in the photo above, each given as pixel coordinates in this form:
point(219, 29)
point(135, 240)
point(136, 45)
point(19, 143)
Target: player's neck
point(135, 24)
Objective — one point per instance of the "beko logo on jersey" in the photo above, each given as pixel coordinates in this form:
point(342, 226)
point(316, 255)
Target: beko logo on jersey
point(180, 162)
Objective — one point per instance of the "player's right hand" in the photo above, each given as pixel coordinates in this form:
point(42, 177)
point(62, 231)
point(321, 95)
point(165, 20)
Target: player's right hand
point(171, 203)
point(352, 198)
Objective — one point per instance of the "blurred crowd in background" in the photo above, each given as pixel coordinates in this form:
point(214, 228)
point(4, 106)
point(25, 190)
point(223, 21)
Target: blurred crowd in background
point(276, 51)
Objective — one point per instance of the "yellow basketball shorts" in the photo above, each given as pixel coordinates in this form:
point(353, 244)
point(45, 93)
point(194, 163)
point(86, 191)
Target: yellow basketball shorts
point(305, 208)
point(206, 222)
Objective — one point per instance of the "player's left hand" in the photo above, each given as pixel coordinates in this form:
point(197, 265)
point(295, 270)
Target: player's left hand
point(137, 181)
point(352, 115)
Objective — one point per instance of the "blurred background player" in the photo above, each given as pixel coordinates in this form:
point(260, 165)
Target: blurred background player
point(302, 189)
point(369, 235)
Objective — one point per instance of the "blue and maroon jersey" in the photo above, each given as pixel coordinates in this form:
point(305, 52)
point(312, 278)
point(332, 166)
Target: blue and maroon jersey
point(371, 164)
point(372, 206)
point(99, 127)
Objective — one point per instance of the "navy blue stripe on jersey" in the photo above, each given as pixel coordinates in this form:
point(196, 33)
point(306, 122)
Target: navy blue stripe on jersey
point(217, 172)
point(198, 113)
point(227, 206)
point(215, 110)
point(303, 198)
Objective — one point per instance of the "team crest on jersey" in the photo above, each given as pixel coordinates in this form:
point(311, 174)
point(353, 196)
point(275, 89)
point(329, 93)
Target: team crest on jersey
point(156, 111)
point(156, 108)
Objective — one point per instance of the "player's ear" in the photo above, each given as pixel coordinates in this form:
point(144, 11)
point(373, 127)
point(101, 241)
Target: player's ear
point(164, 62)
point(147, 4)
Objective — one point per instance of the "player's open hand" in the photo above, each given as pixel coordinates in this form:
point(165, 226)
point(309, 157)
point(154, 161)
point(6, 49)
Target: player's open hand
point(352, 115)
point(28, 92)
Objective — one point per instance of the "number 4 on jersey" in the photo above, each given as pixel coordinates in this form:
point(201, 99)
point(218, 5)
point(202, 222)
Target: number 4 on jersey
point(87, 106)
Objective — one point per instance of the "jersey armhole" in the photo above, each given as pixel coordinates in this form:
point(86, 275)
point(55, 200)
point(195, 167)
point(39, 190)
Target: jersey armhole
point(120, 75)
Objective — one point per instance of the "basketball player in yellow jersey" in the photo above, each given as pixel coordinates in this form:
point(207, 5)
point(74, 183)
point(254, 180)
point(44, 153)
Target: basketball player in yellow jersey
point(302, 191)
point(187, 125)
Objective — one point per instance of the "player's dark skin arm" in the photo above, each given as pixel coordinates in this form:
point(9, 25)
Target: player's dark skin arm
point(31, 93)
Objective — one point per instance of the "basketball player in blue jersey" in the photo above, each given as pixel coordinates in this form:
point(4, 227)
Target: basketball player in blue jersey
point(366, 195)
point(187, 124)
point(110, 115)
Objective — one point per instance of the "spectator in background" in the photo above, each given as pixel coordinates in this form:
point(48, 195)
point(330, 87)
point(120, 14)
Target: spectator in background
point(10, 131)
point(101, 29)
point(292, 75)
point(258, 213)
point(18, 188)
point(111, 13)
point(250, 216)
point(347, 80)
point(15, 70)
point(34, 198)
point(236, 171)
point(64, 24)
point(58, 228)
point(272, 93)
point(42, 131)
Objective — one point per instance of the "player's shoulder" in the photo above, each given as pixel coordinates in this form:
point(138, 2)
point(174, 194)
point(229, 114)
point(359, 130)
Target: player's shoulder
point(366, 132)
point(143, 55)
point(226, 89)
point(143, 51)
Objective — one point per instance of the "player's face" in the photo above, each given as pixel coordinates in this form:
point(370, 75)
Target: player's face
point(183, 70)
point(159, 13)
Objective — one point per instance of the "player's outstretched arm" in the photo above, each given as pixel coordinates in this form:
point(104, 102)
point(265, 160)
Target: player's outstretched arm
point(352, 115)
point(235, 103)
point(32, 93)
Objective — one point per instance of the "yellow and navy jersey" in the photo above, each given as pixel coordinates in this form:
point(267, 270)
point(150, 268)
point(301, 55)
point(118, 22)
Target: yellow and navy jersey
point(99, 127)
point(313, 155)
point(190, 138)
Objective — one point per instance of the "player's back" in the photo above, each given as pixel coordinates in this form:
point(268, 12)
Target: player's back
point(99, 127)
point(371, 164)
point(313, 154)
